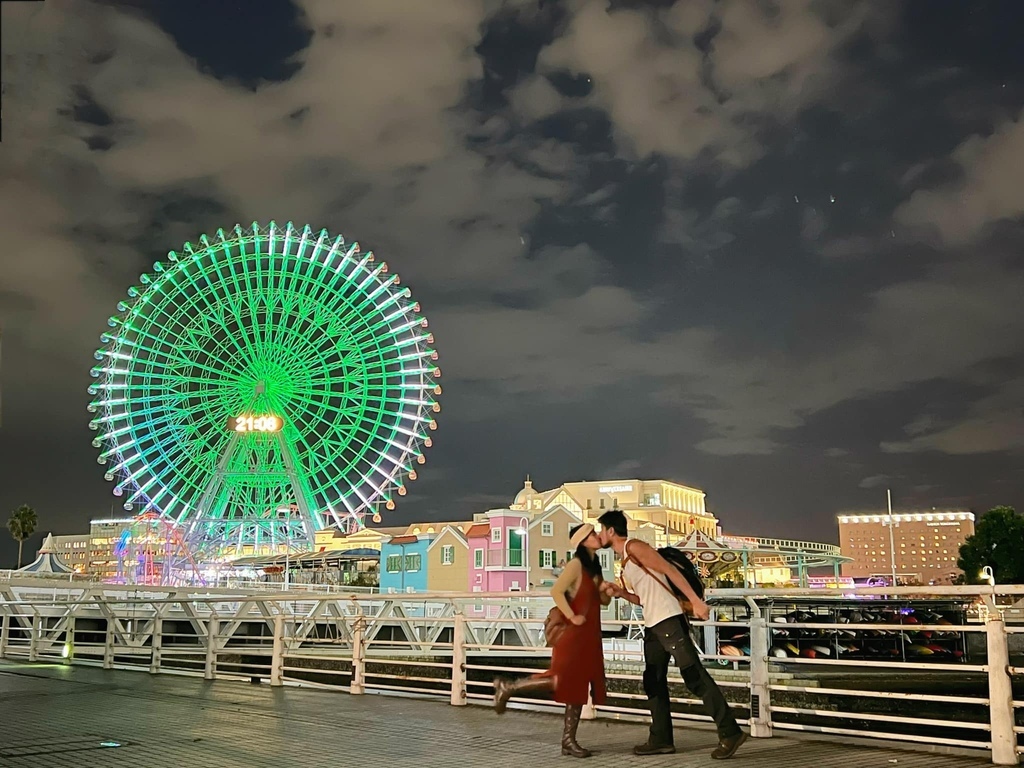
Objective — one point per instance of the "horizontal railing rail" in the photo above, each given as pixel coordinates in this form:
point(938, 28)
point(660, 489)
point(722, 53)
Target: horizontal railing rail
point(907, 664)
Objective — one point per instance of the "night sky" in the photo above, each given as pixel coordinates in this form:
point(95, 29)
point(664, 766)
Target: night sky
point(773, 250)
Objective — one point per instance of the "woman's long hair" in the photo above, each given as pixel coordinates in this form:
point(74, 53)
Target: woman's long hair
point(591, 564)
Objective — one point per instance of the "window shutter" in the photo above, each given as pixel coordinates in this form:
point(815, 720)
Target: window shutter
point(540, 555)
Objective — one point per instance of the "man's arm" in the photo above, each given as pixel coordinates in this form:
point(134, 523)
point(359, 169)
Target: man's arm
point(648, 557)
point(614, 590)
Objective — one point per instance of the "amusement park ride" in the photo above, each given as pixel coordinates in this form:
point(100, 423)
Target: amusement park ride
point(255, 388)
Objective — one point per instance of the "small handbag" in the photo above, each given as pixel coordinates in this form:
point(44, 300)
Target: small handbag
point(554, 625)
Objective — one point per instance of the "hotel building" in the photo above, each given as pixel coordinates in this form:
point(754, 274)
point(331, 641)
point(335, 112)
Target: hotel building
point(925, 545)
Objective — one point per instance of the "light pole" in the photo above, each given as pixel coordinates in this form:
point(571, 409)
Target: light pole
point(892, 537)
point(524, 532)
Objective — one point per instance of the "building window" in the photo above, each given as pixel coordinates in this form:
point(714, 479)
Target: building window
point(447, 554)
point(547, 558)
point(496, 535)
point(547, 529)
point(412, 562)
point(602, 503)
point(589, 504)
point(478, 558)
point(394, 563)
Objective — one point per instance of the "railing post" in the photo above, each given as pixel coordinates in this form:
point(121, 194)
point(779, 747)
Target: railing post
point(358, 683)
point(212, 632)
point(760, 694)
point(277, 655)
point(5, 634)
point(710, 639)
point(459, 661)
point(68, 651)
point(157, 645)
point(108, 644)
point(1000, 692)
point(33, 637)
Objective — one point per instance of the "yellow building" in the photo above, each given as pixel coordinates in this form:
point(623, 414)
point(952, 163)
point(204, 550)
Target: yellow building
point(424, 529)
point(333, 540)
point(448, 561)
point(678, 509)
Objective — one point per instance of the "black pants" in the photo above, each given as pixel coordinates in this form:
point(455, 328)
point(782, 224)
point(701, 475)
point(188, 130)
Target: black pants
point(670, 640)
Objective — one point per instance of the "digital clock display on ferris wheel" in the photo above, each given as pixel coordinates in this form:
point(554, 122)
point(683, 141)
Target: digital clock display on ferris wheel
point(255, 423)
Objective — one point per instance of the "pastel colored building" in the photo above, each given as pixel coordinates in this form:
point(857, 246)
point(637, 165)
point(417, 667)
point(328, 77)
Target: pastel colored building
point(549, 545)
point(403, 564)
point(448, 561)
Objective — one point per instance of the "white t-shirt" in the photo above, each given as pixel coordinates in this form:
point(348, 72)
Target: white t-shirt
point(656, 598)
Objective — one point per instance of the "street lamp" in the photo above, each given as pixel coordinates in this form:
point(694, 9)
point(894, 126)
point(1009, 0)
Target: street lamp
point(524, 532)
point(892, 539)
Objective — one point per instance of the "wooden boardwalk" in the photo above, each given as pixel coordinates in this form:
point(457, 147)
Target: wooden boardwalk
point(87, 718)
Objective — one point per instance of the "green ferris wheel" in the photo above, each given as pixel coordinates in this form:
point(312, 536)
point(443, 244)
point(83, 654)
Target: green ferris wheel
point(262, 385)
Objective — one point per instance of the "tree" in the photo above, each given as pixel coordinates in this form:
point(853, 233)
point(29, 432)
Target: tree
point(22, 524)
point(998, 542)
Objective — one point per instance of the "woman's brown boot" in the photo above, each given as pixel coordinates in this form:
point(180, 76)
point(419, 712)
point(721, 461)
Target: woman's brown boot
point(572, 722)
point(506, 689)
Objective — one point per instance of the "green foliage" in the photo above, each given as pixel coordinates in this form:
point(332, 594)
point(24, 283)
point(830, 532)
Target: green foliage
point(22, 524)
point(998, 542)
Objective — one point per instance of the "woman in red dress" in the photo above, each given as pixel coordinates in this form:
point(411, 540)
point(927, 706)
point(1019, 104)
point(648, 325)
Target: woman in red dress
point(577, 658)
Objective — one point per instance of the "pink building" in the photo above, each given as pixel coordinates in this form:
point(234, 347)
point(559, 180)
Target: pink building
point(498, 552)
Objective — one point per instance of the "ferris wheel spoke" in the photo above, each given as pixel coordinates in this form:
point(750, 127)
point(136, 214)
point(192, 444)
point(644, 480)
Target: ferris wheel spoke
point(200, 314)
point(197, 329)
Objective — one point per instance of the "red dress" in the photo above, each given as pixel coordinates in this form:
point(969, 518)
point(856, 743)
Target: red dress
point(577, 659)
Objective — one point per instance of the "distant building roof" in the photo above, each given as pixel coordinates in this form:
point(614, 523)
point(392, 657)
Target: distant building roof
point(47, 561)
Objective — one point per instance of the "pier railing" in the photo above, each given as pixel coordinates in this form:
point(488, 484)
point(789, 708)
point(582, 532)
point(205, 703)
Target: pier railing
point(782, 667)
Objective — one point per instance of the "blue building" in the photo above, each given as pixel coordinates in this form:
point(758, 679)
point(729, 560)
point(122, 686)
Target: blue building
point(403, 564)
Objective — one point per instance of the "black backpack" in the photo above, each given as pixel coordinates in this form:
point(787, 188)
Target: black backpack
point(678, 559)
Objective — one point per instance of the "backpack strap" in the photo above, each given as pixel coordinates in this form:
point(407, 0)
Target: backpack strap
point(628, 558)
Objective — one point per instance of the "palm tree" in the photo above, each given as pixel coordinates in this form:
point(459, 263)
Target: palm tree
point(22, 524)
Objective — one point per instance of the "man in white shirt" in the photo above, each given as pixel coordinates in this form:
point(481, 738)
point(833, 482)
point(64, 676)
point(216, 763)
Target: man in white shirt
point(666, 636)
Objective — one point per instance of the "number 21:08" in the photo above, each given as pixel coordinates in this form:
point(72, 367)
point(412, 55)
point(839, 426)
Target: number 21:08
point(256, 423)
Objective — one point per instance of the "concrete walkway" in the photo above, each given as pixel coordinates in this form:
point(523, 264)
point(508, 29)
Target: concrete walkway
point(87, 718)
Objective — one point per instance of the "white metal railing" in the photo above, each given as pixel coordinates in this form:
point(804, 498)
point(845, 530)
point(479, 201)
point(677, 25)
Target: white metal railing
point(451, 645)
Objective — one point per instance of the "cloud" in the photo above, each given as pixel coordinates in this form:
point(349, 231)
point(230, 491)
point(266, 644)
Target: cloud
point(992, 424)
point(988, 190)
point(667, 94)
point(874, 481)
point(936, 327)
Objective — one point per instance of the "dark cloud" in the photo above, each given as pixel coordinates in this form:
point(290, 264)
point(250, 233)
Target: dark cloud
point(770, 250)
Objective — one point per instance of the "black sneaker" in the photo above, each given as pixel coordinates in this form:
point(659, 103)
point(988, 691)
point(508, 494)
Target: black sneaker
point(727, 747)
point(642, 750)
